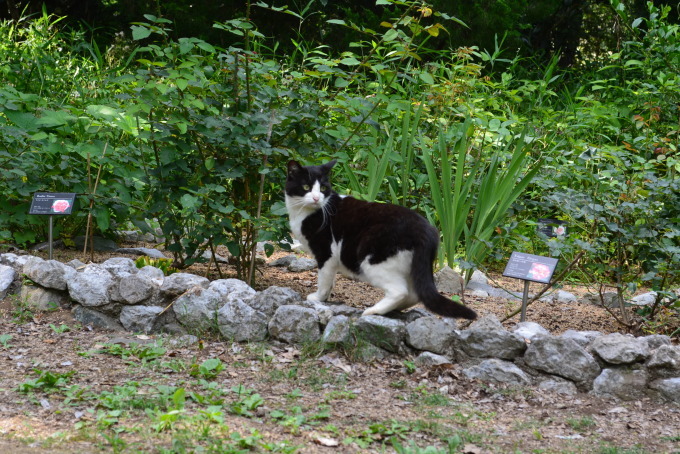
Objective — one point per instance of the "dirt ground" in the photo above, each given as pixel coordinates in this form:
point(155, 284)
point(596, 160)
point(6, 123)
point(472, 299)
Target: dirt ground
point(330, 400)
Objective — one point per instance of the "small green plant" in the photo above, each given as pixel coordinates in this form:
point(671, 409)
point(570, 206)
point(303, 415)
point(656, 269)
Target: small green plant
point(581, 424)
point(4, 340)
point(165, 265)
point(62, 328)
point(46, 382)
point(22, 312)
point(410, 366)
point(208, 369)
point(247, 402)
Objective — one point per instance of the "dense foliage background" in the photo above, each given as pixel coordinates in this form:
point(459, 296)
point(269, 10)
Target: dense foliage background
point(485, 118)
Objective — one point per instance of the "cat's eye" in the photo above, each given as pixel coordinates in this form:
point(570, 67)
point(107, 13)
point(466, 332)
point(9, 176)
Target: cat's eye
point(323, 188)
point(305, 187)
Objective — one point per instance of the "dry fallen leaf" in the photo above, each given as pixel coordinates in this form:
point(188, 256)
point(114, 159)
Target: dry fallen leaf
point(329, 442)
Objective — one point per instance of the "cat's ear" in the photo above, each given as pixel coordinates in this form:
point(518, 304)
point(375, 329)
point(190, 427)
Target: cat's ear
point(293, 167)
point(328, 166)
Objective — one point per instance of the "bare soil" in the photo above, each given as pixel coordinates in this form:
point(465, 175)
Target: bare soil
point(342, 404)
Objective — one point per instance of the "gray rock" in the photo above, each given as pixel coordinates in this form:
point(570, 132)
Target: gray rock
point(607, 299)
point(383, 332)
point(270, 299)
point(149, 252)
point(583, 338)
point(135, 288)
point(479, 293)
point(669, 388)
point(96, 319)
point(15, 261)
point(43, 299)
point(449, 281)
point(91, 287)
point(120, 266)
point(665, 357)
point(76, 264)
point(429, 359)
point(295, 324)
point(558, 385)
point(529, 330)
point(486, 338)
point(645, 299)
point(153, 274)
point(432, 334)
point(7, 276)
point(563, 357)
point(302, 264)
point(479, 277)
point(48, 273)
point(139, 319)
point(655, 341)
point(100, 244)
point(499, 371)
point(563, 297)
point(338, 330)
point(621, 383)
point(238, 321)
point(619, 349)
point(234, 288)
point(283, 261)
point(178, 283)
point(183, 340)
point(323, 311)
point(196, 308)
point(343, 309)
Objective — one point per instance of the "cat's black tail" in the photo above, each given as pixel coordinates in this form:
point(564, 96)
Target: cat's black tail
point(423, 280)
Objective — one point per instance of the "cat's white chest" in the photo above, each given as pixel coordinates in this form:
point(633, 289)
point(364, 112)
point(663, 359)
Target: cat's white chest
point(295, 217)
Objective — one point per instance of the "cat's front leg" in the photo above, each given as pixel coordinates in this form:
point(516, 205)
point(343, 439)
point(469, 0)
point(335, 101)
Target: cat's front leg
point(326, 280)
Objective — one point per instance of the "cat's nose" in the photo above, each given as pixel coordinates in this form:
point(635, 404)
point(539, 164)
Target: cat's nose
point(315, 198)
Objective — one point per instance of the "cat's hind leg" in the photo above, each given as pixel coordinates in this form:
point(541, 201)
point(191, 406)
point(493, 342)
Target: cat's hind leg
point(393, 277)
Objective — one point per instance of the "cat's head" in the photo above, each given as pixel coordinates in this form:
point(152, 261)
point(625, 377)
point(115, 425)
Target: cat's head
point(309, 186)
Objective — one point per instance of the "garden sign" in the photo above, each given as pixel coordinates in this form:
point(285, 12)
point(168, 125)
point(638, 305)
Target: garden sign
point(529, 267)
point(51, 203)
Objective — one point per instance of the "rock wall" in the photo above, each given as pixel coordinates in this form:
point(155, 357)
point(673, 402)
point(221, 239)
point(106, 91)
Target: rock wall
point(116, 295)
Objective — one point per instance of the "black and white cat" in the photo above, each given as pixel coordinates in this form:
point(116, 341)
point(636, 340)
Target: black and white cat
point(389, 246)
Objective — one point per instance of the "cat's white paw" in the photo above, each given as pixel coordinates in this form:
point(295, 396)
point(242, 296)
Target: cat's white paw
point(315, 298)
point(371, 311)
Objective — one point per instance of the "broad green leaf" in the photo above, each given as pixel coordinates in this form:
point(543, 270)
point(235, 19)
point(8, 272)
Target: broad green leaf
point(140, 32)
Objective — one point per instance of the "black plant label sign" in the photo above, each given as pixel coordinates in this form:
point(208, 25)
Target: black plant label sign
point(529, 267)
point(52, 203)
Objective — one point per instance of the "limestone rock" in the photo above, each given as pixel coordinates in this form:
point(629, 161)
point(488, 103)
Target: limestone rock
point(558, 385)
point(43, 299)
point(383, 332)
point(295, 324)
point(583, 338)
point(270, 299)
point(239, 321)
point(429, 359)
point(7, 276)
point(655, 341)
point(197, 308)
point(338, 330)
point(178, 283)
point(645, 299)
point(665, 357)
point(621, 383)
point(563, 357)
point(135, 288)
point(669, 388)
point(449, 281)
point(120, 266)
point(486, 338)
point(92, 287)
point(619, 349)
point(283, 261)
point(139, 319)
point(302, 264)
point(96, 319)
point(499, 371)
point(48, 273)
point(432, 334)
point(529, 330)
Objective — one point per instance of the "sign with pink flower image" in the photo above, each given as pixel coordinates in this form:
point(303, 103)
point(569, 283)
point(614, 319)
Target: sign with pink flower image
point(52, 203)
point(530, 267)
